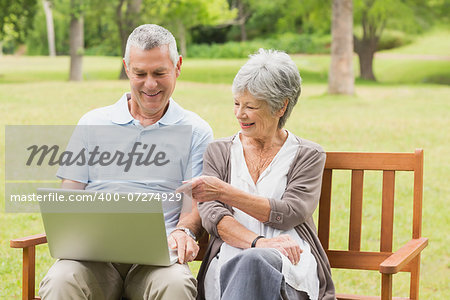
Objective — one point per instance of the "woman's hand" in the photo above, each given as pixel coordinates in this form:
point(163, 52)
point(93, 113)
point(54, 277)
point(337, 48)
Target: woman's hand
point(285, 244)
point(203, 188)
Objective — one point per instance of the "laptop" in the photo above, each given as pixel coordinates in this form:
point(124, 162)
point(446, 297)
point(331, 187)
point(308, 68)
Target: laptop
point(92, 231)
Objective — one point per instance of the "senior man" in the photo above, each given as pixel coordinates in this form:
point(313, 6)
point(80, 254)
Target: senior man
point(153, 65)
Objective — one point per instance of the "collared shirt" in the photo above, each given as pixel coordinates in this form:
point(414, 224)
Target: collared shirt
point(183, 135)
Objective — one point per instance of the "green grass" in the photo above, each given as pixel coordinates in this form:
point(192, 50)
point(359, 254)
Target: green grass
point(435, 42)
point(386, 118)
point(313, 69)
point(399, 114)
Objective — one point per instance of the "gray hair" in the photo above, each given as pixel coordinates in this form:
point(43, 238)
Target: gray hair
point(271, 76)
point(149, 36)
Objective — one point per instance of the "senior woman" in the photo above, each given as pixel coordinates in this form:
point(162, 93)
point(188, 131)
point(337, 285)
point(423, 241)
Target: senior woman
point(258, 193)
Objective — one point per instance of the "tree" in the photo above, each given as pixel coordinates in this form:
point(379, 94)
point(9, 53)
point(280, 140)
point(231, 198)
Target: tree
point(340, 76)
point(19, 15)
point(50, 27)
point(182, 15)
point(243, 8)
point(76, 40)
point(374, 16)
point(127, 18)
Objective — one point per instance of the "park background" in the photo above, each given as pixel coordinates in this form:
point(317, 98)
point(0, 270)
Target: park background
point(403, 105)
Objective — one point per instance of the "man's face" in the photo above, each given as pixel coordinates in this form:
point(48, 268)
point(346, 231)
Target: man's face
point(152, 79)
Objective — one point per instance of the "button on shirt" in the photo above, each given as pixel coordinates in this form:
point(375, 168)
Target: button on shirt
point(182, 134)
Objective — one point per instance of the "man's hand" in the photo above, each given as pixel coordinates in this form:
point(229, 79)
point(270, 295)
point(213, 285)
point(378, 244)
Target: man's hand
point(187, 246)
point(285, 244)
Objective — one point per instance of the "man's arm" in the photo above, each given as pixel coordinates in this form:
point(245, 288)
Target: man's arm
point(189, 217)
point(187, 247)
point(72, 185)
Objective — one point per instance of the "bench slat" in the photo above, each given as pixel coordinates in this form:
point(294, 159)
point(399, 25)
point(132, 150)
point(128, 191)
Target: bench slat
point(370, 161)
point(324, 209)
point(387, 211)
point(418, 193)
point(359, 297)
point(354, 238)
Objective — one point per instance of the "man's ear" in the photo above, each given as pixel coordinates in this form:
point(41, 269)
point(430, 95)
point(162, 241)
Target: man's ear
point(125, 66)
point(178, 67)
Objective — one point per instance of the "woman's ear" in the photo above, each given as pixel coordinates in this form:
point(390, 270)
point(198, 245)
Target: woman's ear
point(283, 109)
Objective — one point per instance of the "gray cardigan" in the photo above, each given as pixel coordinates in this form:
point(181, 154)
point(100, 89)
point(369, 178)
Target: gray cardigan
point(295, 209)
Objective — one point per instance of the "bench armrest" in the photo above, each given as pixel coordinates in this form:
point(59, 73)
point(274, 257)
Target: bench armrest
point(28, 241)
point(400, 258)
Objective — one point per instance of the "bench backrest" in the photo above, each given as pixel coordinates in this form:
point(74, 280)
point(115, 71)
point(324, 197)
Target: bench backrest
point(358, 163)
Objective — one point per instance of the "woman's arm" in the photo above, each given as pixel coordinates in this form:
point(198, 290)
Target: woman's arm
point(235, 234)
point(296, 206)
point(209, 188)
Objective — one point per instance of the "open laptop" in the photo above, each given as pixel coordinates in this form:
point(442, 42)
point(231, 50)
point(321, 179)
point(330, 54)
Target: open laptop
point(93, 232)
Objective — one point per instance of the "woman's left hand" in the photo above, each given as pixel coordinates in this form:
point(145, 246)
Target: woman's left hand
point(203, 188)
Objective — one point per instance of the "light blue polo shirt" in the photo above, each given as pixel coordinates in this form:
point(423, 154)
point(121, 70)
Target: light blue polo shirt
point(180, 134)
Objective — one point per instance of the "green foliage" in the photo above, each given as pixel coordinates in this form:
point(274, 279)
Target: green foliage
point(288, 42)
point(393, 39)
point(36, 41)
point(433, 42)
point(268, 17)
point(101, 34)
point(390, 38)
point(16, 19)
point(405, 15)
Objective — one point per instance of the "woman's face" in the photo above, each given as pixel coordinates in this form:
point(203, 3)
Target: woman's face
point(254, 116)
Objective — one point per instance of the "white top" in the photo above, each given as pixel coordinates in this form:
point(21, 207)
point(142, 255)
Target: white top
point(271, 184)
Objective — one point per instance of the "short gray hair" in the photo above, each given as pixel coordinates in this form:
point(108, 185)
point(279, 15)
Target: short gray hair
point(272, 76)
point(149, 36)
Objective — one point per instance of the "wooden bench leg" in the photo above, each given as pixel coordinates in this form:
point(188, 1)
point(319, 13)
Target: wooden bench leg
point(415, 271)
point(28, 272)
point(386, 286)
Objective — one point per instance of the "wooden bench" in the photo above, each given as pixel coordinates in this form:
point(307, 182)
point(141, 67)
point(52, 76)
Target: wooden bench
point(387, 262)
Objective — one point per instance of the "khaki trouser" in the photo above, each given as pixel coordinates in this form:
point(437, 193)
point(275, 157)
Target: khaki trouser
point(69, 279)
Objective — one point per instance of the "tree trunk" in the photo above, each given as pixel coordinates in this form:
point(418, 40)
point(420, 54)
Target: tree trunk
point(126, 22)
point(366, 48)
point(1, 48)
point(50, 27)
point(76, 41)
point(242, 19)
point(367, 45)
point(182, 38)
point(340, 78)
point(366, 64)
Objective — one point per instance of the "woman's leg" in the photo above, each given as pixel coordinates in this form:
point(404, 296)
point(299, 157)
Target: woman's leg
point(256, 274)
point(252, 274)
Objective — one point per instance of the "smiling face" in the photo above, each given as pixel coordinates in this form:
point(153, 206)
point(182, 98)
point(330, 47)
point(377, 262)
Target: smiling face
point(152, 80)
point(255, 116)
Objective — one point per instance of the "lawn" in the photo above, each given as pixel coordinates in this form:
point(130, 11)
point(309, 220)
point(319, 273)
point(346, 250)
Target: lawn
point(398, 115)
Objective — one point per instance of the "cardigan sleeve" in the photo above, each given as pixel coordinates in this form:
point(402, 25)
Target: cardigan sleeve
point(211, 212)
point(302, 193)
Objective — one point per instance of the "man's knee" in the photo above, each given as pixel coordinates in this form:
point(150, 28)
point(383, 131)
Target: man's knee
point(62, 277)
point(176, 277)
point(174, 282)
point(79, 280)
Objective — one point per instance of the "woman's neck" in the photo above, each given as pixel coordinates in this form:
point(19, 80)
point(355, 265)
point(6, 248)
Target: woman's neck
point(267, 142)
